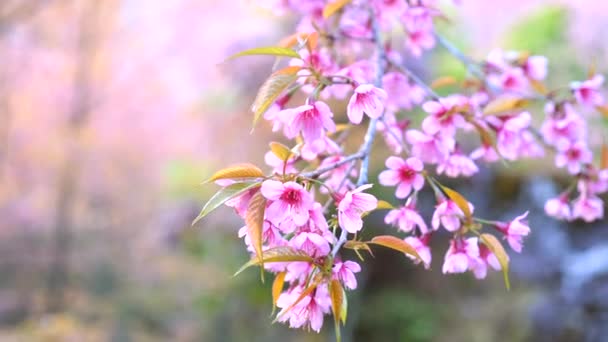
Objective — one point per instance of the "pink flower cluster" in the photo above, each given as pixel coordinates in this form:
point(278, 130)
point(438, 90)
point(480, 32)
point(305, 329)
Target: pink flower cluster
point(342, 57)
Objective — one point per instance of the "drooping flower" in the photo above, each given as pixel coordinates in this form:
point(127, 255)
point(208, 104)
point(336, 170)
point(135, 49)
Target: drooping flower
point(486, 259)
point(535, 67)
point(405, 174)
point(366, 99)
point(444, 115)
point(430, 149)
point(462, 256)
point(406, 219)
point(288, 198)
point(448, 214)
point(307, 312)
point(421, 245)
point(573, 157)
point(345, 273)
point(457, 164)
point(352, 206)
point(515, 231)
point(588, 207)
point(558, 208)
point(310, 119)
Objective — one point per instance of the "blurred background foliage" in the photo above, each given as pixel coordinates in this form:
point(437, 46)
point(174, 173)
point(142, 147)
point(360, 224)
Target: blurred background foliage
point(112, 113)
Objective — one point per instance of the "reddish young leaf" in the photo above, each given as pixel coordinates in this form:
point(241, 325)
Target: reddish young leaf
point(336, 293)
point(277, 288)
point(395, 243)
point(604, 157)
point(254, 219)
point(496, 247)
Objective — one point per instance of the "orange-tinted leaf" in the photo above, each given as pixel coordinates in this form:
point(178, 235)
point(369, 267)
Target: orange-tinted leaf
point(237, 171)
point(336, 294)
point(278, 51)
point(443, 82)
point(311, 39)
point(254, 220)
point(538, 86)
point(460, 201)
point(334, 6)
point(222, 196)
point(357, 246)
point(277, 288)
point(603, 110)
point(496, 247)
point(384, 205)
point(505, 104)
point(395, 243)
point(277, 254)
point(281, 151)
point(272, 88)
point(604, 157)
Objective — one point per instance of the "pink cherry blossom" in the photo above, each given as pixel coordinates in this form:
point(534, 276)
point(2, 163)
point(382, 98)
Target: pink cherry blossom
point(313, 120)
point(401, 94)
point(509, 133)
point(406, 219)
point(486, 259)
point(393, 132)
point(536, 67)
point(430, 149)
point(418, 22)
point(587, 92)
point(421, 245)
point(405, 174)
point(355, 23)
point(444, 115)
point(345, 273)
point(462, 255)
point(338, 178)
point(352, 206)
point(448, 214)
point(312, 244)
point(457, 164)
point(588, 207)
point(485, 152)
point(597, 182)
point(288, 198)
point(515, 231)
point(562, 126)
point(366, 99)
point(511, 80)
point(307, 312)
point(573, 156)
point(558, 208)
point(279, 165)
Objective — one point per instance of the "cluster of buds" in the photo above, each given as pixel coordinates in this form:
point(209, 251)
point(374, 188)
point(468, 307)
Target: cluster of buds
point(299, 218)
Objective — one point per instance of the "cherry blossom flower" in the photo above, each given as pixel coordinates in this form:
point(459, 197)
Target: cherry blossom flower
point(587, 92)
point(405, 174)
point(393, 132)
point(307, 312)
point(338, 178)
point(462, 255)
point(406, 219)
point(448, 214)
point(352, 206)
point(515, 231)
point(310, 119)
point(345, 273)
point(418, 22)
point(421, 245)
point(572, 157)
point(457, 164)
point(312, 244)
point(288, 198)
point(401, 94)
point(486, 258)
point(562, 126)
point(430, 149)
point(588, 207)
point(366, 99)
point(444, 115)
point(535, 67)
point(558, 208)
point(279, 165)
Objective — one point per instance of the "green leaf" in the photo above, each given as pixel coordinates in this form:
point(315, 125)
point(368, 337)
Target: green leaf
point(395, 243)
point(496, 247)
point(277, 254)
point(224, 195)
point(267, 51)
point(272, 88)
point(244, 170)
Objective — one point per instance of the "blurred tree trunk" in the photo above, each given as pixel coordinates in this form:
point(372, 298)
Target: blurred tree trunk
point(58, 277)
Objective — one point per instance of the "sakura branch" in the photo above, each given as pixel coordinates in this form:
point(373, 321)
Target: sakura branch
point(339, 53)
